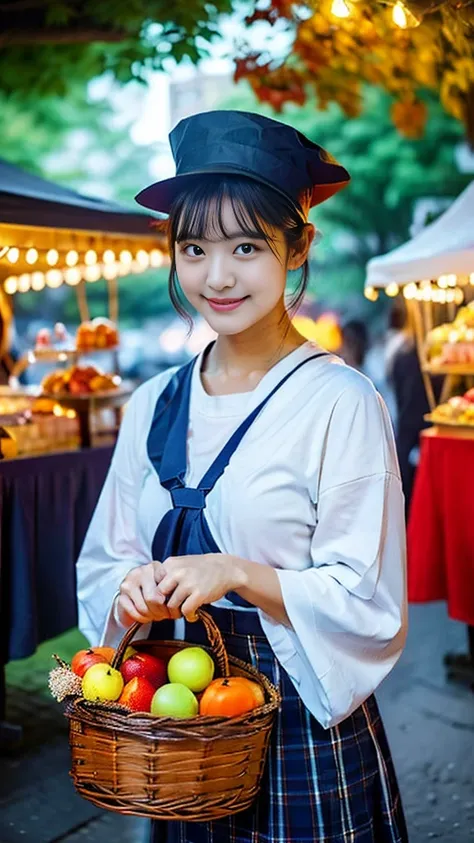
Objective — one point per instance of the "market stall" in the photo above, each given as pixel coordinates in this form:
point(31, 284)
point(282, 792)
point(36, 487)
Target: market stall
point(435, 272)
point(50, 471)
point(50, 236)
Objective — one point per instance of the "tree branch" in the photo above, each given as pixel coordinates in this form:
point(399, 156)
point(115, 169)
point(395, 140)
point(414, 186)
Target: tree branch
point(12, 37)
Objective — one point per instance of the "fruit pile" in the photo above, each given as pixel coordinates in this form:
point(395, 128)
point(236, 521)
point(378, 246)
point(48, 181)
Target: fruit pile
point(99, 333)
point(79, 380)
point(458, 410)
point(183, 687)
point(453, 342)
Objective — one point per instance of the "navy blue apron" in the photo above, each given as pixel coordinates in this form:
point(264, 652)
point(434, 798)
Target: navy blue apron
point(292, 807)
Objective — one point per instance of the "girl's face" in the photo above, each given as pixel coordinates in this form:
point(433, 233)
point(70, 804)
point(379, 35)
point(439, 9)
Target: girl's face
point(234, 281)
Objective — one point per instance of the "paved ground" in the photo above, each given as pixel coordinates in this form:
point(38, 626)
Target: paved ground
point(430, 726)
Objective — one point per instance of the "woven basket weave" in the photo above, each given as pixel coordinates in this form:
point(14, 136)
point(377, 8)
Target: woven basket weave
point(198, 769)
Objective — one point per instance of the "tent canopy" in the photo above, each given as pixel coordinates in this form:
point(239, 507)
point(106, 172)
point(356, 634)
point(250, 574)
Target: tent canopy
point(446, 246)
point(26, 199)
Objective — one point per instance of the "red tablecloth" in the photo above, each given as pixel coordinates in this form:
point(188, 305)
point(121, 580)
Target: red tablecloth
point(441, 525)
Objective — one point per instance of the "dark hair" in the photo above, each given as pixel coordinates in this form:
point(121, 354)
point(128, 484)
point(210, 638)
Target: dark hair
point(197, 213)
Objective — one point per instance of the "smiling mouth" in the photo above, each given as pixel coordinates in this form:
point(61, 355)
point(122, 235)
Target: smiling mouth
point(226, 301)
point(225, 305)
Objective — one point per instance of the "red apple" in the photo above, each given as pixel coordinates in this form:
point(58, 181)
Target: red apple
point(145, 666)
point(137, 694)
point(84, 659)
point(469, 396)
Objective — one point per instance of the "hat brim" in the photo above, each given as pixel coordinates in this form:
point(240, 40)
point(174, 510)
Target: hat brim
point(161, 195)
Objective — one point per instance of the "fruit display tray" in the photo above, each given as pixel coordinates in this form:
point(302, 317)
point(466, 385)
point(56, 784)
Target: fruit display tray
point(86, 403)
point(91, 400)
point(449, 369)
point(451, 428)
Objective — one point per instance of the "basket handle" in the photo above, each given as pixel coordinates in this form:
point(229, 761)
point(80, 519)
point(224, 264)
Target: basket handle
point(213, 633)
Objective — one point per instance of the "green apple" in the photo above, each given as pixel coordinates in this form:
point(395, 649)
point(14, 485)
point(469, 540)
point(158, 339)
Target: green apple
point(174, 700)
point(102, 683)
point(193, 667)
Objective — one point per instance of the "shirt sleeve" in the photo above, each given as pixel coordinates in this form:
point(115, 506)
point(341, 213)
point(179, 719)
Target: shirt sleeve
point(112, 546)
point(348, 610)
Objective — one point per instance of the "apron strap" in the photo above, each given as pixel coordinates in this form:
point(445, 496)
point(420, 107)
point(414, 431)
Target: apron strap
point(173, 467)
point(222, 460)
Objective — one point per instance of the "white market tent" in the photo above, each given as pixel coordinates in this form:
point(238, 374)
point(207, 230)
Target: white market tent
point(444, 247)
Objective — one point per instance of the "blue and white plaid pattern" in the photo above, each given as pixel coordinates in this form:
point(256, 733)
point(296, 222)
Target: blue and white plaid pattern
point(319, 786)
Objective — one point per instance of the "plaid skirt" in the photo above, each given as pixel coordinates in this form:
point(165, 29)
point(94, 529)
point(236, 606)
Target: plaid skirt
point(319, 786)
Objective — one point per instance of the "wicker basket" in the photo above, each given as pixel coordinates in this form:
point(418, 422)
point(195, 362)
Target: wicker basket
point(198, 769)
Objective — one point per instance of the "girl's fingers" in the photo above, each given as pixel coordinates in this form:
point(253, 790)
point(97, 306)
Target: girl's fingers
point(190, 606)
point(141, 605)
point(180, 593)
point(158, 571)
point(168, 584)
point(128, 612)
point(150, 592)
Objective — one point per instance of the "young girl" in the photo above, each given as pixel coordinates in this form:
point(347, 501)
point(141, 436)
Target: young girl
point(260, 480)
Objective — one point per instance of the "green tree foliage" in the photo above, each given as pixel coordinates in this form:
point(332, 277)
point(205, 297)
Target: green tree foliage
point(389, 175)
point(45, 45)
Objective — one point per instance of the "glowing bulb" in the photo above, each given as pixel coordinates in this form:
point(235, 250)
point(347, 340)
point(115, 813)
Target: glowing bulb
point(92, 273)
point(108, 256)
point(37, 281)
point(426, 294)
point(90, 257)
point(156, 258)
point(443, 281)
point(458, 296)
point(72, 276)
point(410, 291)
point(471, 279)
point(109, 271)
point(31, 256)
point(392, 289)
point(72, 257)
point(24, 282)
point(13, 254)
point(403, 17)
point(371, 293)
point(450, 296)
point(143, 258)
point(52, 257)
point(54, 278)
point(11, 285)
point(340, 9)
point(126, 257)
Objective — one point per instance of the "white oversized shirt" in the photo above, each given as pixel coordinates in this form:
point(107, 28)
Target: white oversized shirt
point(313, 490)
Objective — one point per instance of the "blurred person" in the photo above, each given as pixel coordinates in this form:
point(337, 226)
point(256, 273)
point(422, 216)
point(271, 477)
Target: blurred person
point(354, 345)
point(260, 480)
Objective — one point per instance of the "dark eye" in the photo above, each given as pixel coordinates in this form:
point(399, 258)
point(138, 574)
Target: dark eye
point(246, 249)
point(193, 251)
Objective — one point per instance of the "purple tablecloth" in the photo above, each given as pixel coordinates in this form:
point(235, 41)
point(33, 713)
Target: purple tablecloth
point(46, 503)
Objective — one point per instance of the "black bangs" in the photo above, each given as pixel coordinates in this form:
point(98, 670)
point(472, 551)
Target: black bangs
point(198, 214)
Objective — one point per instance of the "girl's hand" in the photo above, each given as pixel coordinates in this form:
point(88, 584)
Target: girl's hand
point(191, 581)
point(139, 598)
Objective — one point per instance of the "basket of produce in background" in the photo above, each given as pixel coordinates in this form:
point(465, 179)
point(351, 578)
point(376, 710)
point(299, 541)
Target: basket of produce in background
point(165, 729)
